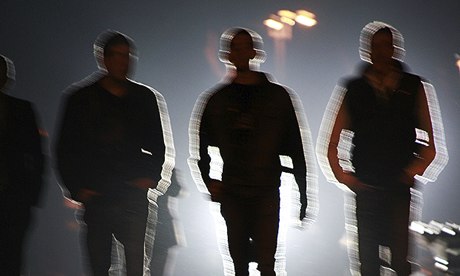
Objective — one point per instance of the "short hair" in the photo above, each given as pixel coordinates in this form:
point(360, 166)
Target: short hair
point(367, 34)
point(226, 41)
point(110, 38)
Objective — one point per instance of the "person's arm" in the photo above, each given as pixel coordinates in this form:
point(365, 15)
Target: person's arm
point(297, 146)
point(214, 187)
point(69, 150)
point(342, 122)
point(199, 160)
point(146, 168)
point(34, 158)
point(426, 151)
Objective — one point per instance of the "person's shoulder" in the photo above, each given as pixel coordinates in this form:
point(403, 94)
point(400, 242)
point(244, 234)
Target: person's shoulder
point(18, 103)
point(140, 87)
point(351, 82)
point(216, 91)
point(20, 107)
point(269, 81)
point(413, 78)
point(356, 77)
point(83, 88)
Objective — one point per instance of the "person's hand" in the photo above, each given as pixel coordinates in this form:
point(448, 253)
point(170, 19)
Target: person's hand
point(407, 178)
point(303, 206)
point(143, 183)
point(353, 183)
point(216, 189)
point(303, 210)
point(84, 195)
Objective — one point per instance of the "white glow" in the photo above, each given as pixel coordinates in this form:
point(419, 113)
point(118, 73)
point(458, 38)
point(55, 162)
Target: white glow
point(286, 161)
point(441, 266)
point(441, 260)
point(287, 20)
point(146, 152)
point(287, 13)
point(273, 24)
point(217, 163)
point(422, 137)
point(448, 231)
point(305, 18)
point(417, 227)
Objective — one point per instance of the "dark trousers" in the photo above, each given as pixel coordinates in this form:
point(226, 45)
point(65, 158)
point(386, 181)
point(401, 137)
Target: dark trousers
point(126, 219)
point(383, 219)
point(14, 220)
point(252, 229)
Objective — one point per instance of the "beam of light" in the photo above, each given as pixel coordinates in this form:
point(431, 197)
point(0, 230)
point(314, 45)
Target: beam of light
point(305, 18)
point(273, 24)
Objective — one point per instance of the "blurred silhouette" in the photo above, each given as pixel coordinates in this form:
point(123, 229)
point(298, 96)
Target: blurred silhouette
point(115, 156)
point(238, 132)
point(380, 133)
point(169, 235)
point(21, 171)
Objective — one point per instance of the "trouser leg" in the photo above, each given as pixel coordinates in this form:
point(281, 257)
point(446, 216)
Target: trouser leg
point(399, 234)
point(383, 219)
point(369, 222)
point(12, 236)
point(98, 238)
point(130, 231)
point(264, 233)
point(237, 234)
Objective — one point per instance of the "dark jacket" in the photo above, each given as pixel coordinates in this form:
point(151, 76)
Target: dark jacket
point(21, 152)
point(252, 125)
point(105, 141)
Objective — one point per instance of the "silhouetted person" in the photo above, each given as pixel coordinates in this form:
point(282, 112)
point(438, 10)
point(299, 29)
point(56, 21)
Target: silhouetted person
point(385, 113)
point(21, 171)
point(110, 150)
point(251, 121)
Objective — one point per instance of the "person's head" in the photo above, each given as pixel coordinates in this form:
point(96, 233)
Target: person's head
point(241, 48)
point(382, 48)
point(114, 52)
point(7, 73)
point(380, 42)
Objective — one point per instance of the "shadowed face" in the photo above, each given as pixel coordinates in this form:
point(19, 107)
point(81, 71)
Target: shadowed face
point(117, 61)
point(382, 48)
point(241, 51)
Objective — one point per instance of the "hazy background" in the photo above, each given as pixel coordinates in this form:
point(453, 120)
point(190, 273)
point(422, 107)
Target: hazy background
point(51, 41)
